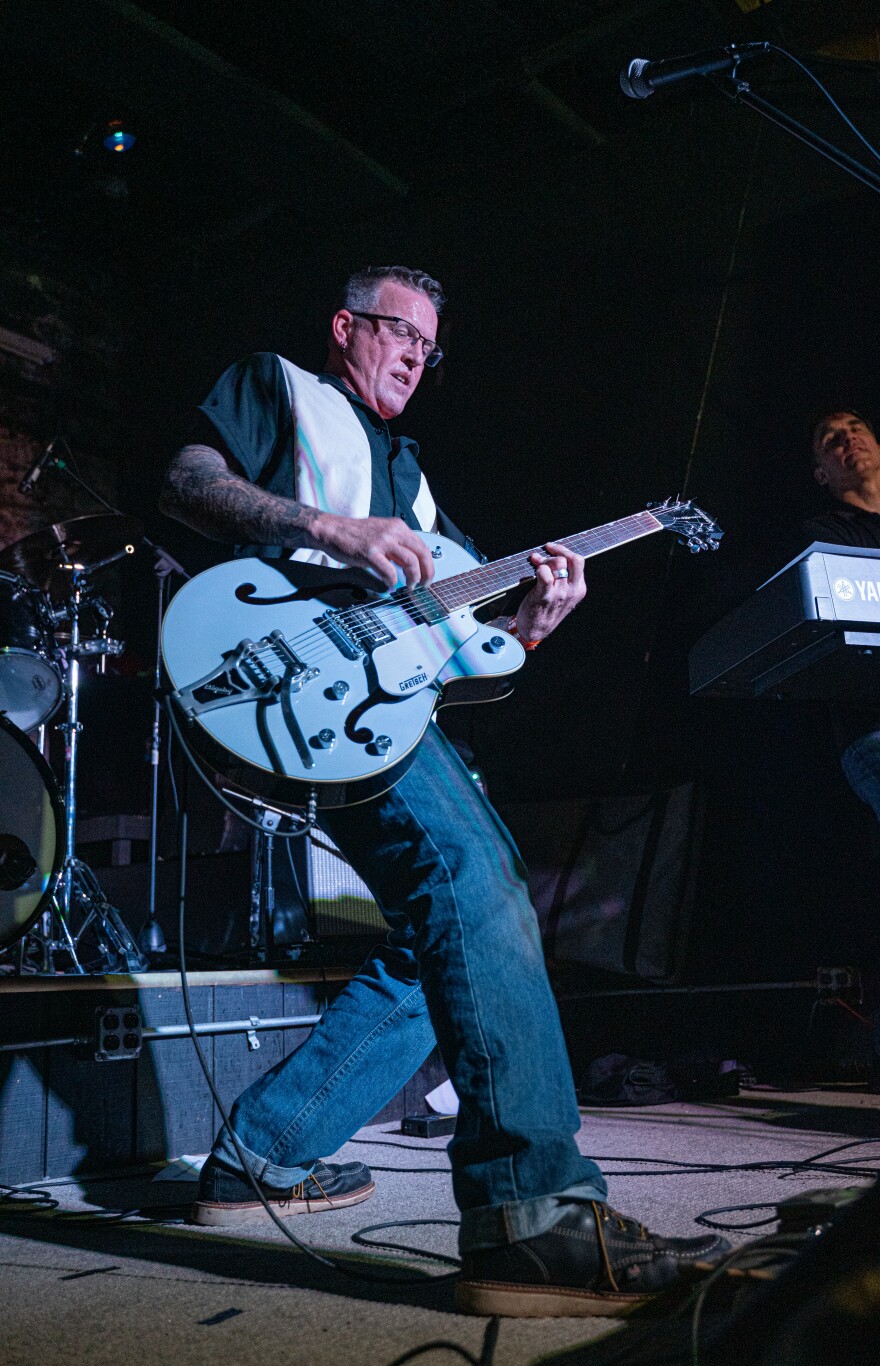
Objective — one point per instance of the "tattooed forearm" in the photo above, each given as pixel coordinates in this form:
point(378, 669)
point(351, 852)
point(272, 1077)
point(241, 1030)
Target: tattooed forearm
point(202, 491)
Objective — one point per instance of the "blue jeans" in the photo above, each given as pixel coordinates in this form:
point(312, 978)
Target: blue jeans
point(462, 964)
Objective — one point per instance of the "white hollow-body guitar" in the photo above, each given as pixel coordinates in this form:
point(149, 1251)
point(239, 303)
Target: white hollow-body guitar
point(304, 684)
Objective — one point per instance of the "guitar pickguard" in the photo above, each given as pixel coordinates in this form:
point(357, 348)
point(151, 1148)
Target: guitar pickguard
point(413, 660)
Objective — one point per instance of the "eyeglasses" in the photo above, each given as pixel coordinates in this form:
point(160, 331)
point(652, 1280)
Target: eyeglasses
point(405, 331)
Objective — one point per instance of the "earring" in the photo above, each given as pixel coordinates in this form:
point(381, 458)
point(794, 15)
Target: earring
point(343, 346)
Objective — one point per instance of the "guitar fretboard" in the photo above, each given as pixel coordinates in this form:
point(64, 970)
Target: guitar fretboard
point(490, 580)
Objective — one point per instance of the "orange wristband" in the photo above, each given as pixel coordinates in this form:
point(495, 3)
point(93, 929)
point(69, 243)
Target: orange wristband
point(513, 630)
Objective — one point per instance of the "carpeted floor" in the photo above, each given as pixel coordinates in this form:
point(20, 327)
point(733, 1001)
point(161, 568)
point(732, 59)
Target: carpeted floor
point(79, 1282)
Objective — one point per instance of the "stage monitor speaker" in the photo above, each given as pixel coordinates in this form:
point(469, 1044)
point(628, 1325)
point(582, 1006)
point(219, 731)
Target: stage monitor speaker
point(613, 880)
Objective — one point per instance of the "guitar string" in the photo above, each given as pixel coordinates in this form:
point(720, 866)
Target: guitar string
point(604, 538)
point(362, 631)
point(394, 614)
point(491, 571)
point(496, 576)
point(396, 621)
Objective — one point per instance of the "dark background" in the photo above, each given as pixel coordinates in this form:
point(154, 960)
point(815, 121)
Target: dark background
point(645, 299)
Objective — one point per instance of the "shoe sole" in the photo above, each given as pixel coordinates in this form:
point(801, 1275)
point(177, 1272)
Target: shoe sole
point(213, 1214)
point(514, 1301)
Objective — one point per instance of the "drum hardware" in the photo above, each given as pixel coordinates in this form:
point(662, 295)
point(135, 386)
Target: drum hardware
point(59, 560)
point(45, 557)
point(84, 535)
point(31, 676)
point(79, 904)
point(98, 646)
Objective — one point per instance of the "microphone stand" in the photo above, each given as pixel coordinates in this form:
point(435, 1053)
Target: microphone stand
point(739, 90)
point(150, 937)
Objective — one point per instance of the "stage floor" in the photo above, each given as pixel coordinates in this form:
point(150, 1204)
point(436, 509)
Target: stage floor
point(76, 1282)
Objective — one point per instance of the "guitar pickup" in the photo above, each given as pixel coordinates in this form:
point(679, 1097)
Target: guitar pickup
point(253, 672)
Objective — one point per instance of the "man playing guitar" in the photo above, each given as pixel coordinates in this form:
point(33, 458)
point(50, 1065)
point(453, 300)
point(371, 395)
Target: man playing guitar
point(295, 465)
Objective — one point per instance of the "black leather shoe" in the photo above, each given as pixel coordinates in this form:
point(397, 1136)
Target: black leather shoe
point(225, 1197)
point(593, 1261)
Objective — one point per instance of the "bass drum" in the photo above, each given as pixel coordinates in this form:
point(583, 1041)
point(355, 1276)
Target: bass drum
point(32, 834)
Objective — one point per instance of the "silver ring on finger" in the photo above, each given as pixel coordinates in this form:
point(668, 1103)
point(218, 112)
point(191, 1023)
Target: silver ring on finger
point(561, 573)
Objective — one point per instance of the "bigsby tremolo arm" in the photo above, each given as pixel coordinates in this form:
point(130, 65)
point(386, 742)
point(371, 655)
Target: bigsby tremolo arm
point(246, 675)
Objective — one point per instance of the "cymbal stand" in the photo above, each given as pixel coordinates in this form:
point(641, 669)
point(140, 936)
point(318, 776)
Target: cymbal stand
point(150, 937)
point(80, 891)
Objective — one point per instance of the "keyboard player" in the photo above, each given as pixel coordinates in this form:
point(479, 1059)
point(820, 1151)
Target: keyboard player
point(846, 463)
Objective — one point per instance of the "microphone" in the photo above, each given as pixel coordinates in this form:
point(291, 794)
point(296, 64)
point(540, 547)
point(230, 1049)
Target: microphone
point(642, 77)
point(33, 474)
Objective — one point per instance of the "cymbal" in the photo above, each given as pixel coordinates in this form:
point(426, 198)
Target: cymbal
point(83, 541)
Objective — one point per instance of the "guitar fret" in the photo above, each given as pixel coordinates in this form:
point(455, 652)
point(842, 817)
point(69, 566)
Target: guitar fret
point(488, 580)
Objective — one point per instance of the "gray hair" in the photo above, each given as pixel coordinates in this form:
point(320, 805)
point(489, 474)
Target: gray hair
point(362, 288)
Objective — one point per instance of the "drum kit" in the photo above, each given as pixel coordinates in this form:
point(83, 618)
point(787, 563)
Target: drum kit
point(53, 623)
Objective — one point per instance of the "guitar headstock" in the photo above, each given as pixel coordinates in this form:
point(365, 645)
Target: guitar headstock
point(690, 525)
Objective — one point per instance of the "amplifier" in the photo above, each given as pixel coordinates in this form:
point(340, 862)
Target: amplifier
point(340, 903)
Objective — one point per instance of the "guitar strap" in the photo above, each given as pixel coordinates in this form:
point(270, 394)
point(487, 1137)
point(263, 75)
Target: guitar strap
point(447, 527)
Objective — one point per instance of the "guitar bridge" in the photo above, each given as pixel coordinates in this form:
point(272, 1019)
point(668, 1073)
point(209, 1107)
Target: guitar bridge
point(247, 674)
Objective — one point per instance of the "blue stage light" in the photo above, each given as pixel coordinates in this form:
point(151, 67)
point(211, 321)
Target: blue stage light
point(117, 138)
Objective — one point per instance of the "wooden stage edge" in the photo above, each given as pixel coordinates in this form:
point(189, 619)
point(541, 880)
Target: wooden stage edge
point(220, 977)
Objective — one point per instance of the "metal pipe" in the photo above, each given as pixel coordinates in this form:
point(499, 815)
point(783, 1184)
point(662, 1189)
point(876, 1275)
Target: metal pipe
point(230, 1027)
point(38, 1043)
point(153, 1033)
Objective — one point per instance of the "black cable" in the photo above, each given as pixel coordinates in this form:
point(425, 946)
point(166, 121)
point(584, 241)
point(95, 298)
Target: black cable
point(783, 52)
point(786, 1166)
point(352, 1272)
point(308, 821)
point(169, 760)
point(360, 1237)
point(486, 1357)
point(841, 1147)
point(407, 1147)
point(414, 1171)
point(28, 1197)
point(684, 1168)
point(708, 1222)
